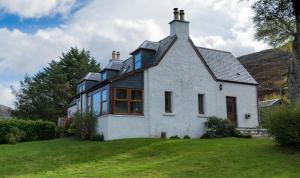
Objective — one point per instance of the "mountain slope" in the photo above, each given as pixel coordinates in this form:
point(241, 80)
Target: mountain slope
point(269, 68)
point(5, 111)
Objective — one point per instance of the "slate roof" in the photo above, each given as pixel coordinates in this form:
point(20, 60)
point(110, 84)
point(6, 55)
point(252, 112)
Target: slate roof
point(73, 102)
point(225, 66)
point(114, 64)
point(92, 76)
point(150, 45)
point(268, 103)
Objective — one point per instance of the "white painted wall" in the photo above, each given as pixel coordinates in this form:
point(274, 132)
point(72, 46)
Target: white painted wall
point(122, 126)
point(182, 72)
point(246, 101)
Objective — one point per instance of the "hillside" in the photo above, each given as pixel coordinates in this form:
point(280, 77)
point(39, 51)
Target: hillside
point(5, 111)
point(269, 68)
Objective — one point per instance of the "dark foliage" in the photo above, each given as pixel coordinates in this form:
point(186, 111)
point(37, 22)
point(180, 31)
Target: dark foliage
point(85, 126)
point(47, 94)
point(15, 130)
point(283, 122)
point(174, 137)
point(219, 127)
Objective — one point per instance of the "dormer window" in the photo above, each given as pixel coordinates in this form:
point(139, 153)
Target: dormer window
point(137, 61)
point(103, 76)
point(81, 88)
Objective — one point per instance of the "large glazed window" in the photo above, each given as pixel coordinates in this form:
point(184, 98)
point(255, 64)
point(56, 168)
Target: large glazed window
point(128, 101)
point(96, 103)
point(138, 61)
point(104, 102)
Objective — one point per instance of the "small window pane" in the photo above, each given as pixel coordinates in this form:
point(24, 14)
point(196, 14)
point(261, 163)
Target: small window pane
point(104, 95)
point(121, 94)
point(121, 106)
point(104, 76)
point(168, 102)
point(96, 103)
point(104, 107)
point(136, 107)
point(201, 103)
point(136, 95)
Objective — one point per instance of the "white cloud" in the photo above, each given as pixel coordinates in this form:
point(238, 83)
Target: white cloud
point(36, 8)
point(103, 26)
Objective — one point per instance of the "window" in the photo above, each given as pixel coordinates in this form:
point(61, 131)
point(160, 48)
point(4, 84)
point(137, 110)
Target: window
point(128, 101)
point(136, 102)
point(138, 61)
point(89, 103)
point(96, 103)
point(168, 102)
point(201, 103)
point(103, 76)
point(81, 88)
point(104, 102)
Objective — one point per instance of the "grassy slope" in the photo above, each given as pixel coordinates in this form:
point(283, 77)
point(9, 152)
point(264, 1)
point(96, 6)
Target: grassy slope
point(230, 157)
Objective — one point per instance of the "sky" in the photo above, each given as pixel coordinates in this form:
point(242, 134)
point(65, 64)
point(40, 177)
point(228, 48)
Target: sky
point(34, 32)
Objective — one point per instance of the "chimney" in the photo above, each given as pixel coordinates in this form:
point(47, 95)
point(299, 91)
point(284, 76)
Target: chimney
point(118, 55)
point(182, 15)
point(179, 26)
point(114, 55)
point(176, 14)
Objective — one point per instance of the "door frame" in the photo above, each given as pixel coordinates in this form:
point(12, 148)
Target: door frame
point(235, 105)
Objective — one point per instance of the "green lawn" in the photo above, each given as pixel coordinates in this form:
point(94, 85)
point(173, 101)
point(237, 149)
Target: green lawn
point(230, 157)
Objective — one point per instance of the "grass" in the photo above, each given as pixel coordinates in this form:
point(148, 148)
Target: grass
point(229, 157)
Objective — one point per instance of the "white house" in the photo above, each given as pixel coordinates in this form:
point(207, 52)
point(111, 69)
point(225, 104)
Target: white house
point(169, 87)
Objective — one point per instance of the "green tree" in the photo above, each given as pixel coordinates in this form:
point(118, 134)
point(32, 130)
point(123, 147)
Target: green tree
point(277, 22)
point(47, 94)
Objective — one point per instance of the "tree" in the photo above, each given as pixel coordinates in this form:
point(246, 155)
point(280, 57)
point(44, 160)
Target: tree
point(47, 94)
point(277, 22)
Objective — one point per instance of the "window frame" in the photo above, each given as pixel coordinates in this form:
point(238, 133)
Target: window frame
point(129, 101)
point(104, 75)
point(170, 111)
point(203, 104)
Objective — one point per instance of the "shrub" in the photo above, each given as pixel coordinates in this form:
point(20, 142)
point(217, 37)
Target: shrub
point(98, 137)
point(15, 135)
point(174, 137)
point(283, 122)
point(219, 127)
point(186, 137)
point(60, 131)
point(85, 125)
point(34, 130)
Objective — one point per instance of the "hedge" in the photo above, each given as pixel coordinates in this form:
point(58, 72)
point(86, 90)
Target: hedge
point(34, 129)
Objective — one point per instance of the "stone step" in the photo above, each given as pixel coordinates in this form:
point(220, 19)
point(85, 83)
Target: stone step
point(256, 132)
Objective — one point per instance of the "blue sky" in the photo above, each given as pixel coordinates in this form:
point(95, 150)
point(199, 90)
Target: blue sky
point(34, 32)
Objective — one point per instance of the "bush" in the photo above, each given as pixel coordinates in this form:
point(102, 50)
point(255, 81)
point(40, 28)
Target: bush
point(34, 130)
point(60, 131)
point(283, 122)
point(15, 135)
point(85, 125)
point(219, 127)
point(186, 137)
point(174, 137)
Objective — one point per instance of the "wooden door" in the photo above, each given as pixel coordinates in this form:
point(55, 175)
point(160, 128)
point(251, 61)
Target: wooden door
point(231, 109)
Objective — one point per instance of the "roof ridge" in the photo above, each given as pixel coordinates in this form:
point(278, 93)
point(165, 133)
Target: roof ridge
point(213, 49)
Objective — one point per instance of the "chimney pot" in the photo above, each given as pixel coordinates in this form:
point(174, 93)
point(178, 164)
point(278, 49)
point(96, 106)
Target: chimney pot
point(182, 15)
point(118, 55)
point(114, 55)
point(176, 14)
